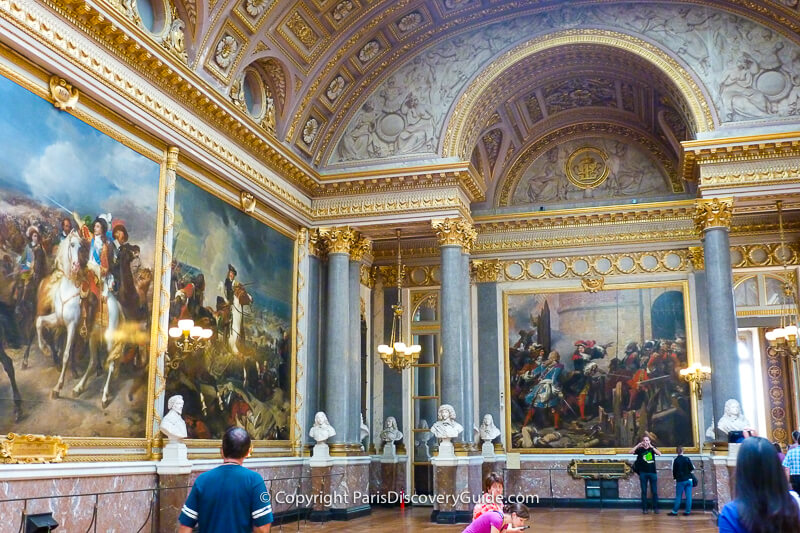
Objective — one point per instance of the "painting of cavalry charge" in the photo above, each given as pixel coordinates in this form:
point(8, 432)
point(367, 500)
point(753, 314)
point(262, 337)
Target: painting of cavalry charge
point(595, 370)
point(77, 240)
point(233, 275)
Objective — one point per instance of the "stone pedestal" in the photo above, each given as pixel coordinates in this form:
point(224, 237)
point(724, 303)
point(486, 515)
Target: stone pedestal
point(320, 490)
point(389, 450)
point(320, 454)
point(492, 464)
point(172, 495)
point(446, 450)
point(392, 480)
point(457, 485)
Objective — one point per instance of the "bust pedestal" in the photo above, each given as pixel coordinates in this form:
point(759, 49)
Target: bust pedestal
point(487, 450)
point(174, 473)
point(389, 450)
point(446, 450)
point(457, 482)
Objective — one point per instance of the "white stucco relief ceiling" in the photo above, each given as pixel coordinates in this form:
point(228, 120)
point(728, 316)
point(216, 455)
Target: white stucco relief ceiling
point(362, 82)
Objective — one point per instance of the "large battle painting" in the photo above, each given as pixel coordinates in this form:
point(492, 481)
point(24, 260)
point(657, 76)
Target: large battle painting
point(595, 370)
point(77, 244)
point(233, 275)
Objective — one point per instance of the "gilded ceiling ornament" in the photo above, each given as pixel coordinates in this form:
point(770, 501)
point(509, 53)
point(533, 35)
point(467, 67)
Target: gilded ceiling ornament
point(175, 41)
point(452, 4)
point(64, 95)
point(338, 240)
point(697, 257)
point(361, 246)
point(269, 116)
point(410, 22)
point(255, 8)
point(237, 93)
point(593, 283)
point(226, 51)
point(586, 167)
point(247, 202)
point(128, 8)
point(486, 271)
point(713, 213)
point(335, 88)
point(342, 9)
point(302, 30)
point(369, 51)
point(310, 131)
point(454, 232)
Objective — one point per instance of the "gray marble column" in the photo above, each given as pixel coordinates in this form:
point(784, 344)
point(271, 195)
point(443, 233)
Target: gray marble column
point(454, 236)
point(337, 398)
point(468, 416)
point(489, 364)
point(316, 336)
point(713, 218)
point(452, 364)
point(353, 362)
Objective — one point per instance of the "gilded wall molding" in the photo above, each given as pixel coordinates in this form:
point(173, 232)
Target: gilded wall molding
point(454, 232)
point(738, 151)
point(713, 213)
point(382, 204)
point(594, 266)
point(486, 271)
point(593, 284)
point(413, 276)
point(764, 255)
point(367, 275)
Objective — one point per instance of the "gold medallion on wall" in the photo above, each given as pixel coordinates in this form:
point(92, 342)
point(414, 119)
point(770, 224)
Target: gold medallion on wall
point(587, 167)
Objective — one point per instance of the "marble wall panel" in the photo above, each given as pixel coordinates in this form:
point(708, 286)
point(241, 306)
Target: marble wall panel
point(116, 512)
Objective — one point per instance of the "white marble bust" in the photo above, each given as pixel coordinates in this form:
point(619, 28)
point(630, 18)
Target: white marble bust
point(321, 430)
point(446, 427)
point(733, 419)
point(390, 432)
point(488, 431)
point(172, 425)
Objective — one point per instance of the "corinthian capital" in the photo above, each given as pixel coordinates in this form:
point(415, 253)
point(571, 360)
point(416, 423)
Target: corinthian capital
point(361, 246)
point(713, 213)
point(338, 240)
point(454, 232)
point(486, 271)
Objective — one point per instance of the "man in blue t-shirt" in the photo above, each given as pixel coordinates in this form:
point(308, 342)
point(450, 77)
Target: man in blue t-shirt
point(230, 498)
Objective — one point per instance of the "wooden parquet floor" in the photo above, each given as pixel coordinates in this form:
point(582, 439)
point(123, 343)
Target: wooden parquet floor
point(561, 520)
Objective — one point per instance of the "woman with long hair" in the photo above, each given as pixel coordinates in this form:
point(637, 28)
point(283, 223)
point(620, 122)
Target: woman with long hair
point(763, 503)
point(514, 517)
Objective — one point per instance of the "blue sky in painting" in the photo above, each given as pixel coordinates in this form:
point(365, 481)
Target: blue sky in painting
point(49, 154)
point(210, 233)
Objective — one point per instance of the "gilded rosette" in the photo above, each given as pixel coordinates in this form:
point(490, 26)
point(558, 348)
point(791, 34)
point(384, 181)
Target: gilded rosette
point(713, 213)
point(486, 271)
point(338, 240)
point(454, 232)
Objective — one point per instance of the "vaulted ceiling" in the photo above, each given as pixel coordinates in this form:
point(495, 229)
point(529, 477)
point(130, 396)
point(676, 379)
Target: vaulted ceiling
point(346, 84)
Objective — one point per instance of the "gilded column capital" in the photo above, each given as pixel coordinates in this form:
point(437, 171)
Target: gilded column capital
point(172, 158)
point(360, 247)
point(316, 246)
point(486, 271)
point(713, 213)
point(454, 232)
point(697, 258)
point(338, 240)
point(367, 276)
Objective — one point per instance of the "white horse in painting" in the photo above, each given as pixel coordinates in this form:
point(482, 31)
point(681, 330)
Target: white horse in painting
point(66, 301)
point(240, 298)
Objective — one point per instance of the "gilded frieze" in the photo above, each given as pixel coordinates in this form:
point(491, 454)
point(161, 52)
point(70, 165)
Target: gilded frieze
point(764, 254)
point(413, 275)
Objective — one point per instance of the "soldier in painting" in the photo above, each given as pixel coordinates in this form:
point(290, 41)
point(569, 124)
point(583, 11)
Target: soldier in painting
point(547, 393)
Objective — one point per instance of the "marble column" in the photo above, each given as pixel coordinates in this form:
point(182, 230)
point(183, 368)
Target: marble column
point(361, 246)
point(489, 367)
point(338, 353)
point(468, 416)
point(713, 219)
point(454, 235)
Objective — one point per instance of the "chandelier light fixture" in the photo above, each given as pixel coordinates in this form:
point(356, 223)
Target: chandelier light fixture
point(397, 354)
point(695, 374)
point(783, 340)
point(188, 338)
